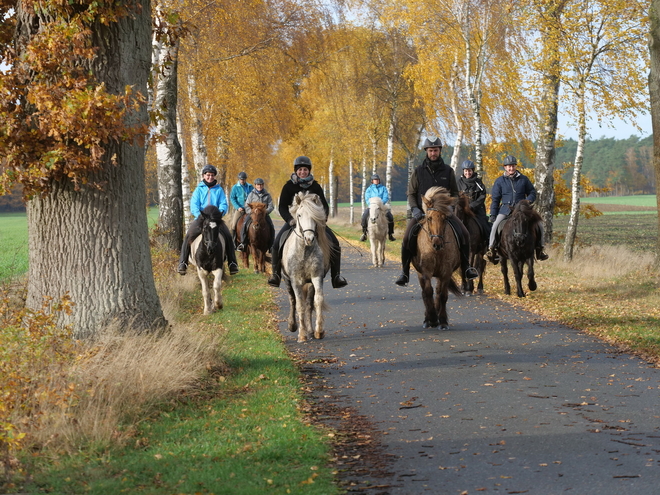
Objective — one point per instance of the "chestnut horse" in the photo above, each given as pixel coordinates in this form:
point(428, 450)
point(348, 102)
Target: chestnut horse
point(260, 237)
point(438, 256)
point(478, 242)
point(518, 244)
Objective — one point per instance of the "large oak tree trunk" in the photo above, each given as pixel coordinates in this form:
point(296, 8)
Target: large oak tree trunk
point(654, 90)
point(93, 244)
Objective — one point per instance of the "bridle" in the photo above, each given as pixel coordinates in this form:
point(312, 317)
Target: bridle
point(210, 241)
point(434, 236)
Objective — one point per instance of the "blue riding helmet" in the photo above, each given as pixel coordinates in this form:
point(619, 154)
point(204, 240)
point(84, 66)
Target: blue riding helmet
point(209, 169)
point(467, 164)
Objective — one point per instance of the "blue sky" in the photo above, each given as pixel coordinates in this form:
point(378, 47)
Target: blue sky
point(617, 129)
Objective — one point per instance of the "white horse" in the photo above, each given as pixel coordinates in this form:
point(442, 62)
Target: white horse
point(207, 253)
point(305, 261)
point(377, 228)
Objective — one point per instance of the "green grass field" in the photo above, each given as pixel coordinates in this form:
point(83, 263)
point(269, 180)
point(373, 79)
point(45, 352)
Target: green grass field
point(13, 245)
point(645, 200)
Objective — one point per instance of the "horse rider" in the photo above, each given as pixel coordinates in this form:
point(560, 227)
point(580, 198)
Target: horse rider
point(238, 194)
point(302, 180)
point(471, 185)
point(257, 195)
point(208, 192)
point(432, 172)
point(508, 189)
point(376, 189)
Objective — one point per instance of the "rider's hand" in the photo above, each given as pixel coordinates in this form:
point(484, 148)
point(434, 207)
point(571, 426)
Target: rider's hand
point(241, 209)
point(417, 214)
point(292, 222)
point(492, 218)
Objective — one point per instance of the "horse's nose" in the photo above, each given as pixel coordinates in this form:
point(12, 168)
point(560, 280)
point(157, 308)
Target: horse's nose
point(437, 244)
point(309, 238)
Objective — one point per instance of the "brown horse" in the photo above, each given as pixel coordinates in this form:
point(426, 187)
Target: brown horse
point(260, 237)
point(478, 242)
point(437, 256)
point(518, 244)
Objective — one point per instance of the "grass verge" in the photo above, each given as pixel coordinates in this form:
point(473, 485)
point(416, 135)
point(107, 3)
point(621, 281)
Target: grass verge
point(240, 430)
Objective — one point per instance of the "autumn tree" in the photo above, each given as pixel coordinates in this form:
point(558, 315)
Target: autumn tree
point(72, 112)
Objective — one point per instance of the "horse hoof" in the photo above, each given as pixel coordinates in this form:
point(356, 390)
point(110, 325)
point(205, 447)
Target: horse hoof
point(444, 326)
point(430, 325)
point(293, 328)
point(319, 335)
point(532, 286)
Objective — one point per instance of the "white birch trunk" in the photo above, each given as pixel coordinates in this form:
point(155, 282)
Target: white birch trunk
point(185, 176)
point(350, 191)
point(458, 123)
point(571, 232)
point(390, 154)
point(199, 152)
point(331, 185)
point(364, 180)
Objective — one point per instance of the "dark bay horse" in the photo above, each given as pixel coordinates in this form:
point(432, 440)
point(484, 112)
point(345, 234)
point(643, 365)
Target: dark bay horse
point(437, 256)
point(207, 253)
point(478, 242)
point(518, 244)
point(260, 237)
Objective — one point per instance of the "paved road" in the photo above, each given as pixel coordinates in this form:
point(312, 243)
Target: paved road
point(502, 402)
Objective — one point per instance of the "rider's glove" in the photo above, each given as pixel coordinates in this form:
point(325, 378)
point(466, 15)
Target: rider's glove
point(417, 214)
point(492, 218)
point(292, 222)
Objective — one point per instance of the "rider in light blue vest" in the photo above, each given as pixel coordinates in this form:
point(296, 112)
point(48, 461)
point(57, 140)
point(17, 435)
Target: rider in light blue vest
point(376, 189)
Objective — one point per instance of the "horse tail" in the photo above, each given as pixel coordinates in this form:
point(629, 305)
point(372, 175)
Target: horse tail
point(453, 288)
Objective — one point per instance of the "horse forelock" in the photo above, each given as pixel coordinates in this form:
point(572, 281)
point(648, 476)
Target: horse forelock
point(309, 203)
point(438, 198)
point(526, 209)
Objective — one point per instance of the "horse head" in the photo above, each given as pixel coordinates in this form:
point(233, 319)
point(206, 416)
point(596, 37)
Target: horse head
point(463, 210)
point(211, 227)
point(522, 218)
point(437, 202)
point(309, 213)
point(257, 214)
point(375, 208)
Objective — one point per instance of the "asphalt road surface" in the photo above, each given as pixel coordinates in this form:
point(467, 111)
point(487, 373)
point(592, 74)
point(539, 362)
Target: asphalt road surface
point(502, 402)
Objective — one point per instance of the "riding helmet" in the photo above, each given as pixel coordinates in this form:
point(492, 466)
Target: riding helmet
point(259, 180)
point(432, 142)
point(467, 164)
point(242, 175)
point(302, 161)
point(209, 169)
point(375, 176)
point(510, 160)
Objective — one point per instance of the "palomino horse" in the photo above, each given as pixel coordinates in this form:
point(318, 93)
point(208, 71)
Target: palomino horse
point(207, 253)
point(437, 256)
point(377, 228)
point(305, 261)
point(518, 244)
point(478, 242)
point(259, 237)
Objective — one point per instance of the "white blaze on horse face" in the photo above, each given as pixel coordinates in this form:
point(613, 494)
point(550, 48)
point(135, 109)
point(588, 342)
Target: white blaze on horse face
point(308, 228)
point(213, 225)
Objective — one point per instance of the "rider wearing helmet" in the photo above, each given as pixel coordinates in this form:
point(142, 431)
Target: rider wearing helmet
point(207, 192)
point(237, 196)
point(257, 195)
point(302, 180)
point(508, 189)
point(471, 185)
point(376, 189)
point(432, 172)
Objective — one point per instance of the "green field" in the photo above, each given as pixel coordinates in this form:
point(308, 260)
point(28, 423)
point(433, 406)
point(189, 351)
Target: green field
point(644, 200)
point(13, 245)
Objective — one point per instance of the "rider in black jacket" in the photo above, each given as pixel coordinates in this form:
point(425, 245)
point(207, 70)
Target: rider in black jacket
point(432, 172)
point(302, 180)
point(471, 185)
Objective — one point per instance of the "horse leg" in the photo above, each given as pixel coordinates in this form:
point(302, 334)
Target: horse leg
point(441, 297)
point(530, 273)
point(481, 262)
point(217, 290)
point(206, 294)
point(372, 245)
point(291, 320)
point(518, 267)
point(301, 312)
point(319, 330)
point(381, 252)
point(505, 274)
point(430, 314)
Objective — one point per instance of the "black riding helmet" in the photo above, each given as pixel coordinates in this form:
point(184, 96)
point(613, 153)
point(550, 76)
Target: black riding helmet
point(242, 175)
point(375, 176)
point(209, 169)
point(302, 161)
point(510, 160)
point(467, 164)
point(432, 142)
point(258, 181)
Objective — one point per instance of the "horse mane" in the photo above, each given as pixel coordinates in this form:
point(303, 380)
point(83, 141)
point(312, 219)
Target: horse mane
point(311, 203)
point(213, 213)
point(378, 202)
point(438, 198)
point(525, 208)
point(463, 206)
point(256, 207)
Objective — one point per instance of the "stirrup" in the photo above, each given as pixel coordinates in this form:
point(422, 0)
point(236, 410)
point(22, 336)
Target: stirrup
point(363, 238)
point(338, 282)
point(233, 268)
point(471, 273)
point(492, 256)
point(391, 237)
point(402, 280)
point(183, 268)
point(240, 247)
point(541, 255)
point(274, 280)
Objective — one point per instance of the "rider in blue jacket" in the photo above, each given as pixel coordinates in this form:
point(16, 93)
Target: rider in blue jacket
point(508, 189)
point(238, 195)
point(207, 192)
point(376, 189)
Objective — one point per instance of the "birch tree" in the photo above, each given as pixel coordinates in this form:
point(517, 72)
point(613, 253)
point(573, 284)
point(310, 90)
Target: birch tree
point(654, 90)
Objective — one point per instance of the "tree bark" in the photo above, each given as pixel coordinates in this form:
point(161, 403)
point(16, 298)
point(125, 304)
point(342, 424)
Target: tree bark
point(571, 232)
point(350, 191)
point(200, 155)
point(545, 149)
point(390, 153)
point(168, 152)
point(654, 90)
point(93, 244)
point(331, 185)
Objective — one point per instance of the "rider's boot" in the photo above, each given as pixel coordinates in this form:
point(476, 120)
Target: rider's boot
point(275, 278)
point(390, 231)
point(541, 255)
point(364, 235)
point(185, 254)
point(335, 277)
